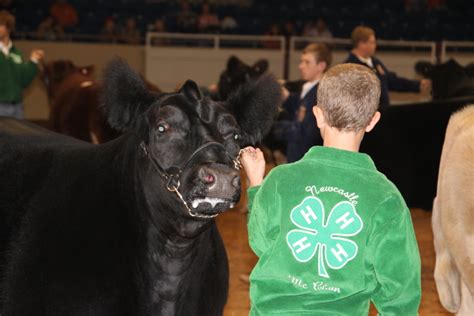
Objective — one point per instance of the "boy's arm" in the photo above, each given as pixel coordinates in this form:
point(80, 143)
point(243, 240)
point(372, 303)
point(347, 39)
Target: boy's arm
point(396, 261)
point(263, 216)
point(261, 196)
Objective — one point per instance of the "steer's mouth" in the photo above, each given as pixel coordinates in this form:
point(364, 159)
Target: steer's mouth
point(209, 206)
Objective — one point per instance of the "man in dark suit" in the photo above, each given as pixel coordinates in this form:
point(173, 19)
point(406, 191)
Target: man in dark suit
point(364, 46)
point(300, 132)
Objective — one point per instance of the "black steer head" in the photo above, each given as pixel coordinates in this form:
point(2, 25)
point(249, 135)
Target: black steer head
point(191, 141)
point(238, 73)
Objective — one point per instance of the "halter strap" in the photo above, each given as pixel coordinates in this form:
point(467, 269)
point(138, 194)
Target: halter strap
point(173, 178)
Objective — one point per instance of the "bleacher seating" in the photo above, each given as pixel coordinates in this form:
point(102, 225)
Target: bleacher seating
point(388, 17)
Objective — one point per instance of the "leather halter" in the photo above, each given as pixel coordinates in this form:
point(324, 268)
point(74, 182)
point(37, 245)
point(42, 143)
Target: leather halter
point(173, 177)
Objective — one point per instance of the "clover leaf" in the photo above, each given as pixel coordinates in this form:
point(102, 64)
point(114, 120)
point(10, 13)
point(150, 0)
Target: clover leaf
point(324, 237)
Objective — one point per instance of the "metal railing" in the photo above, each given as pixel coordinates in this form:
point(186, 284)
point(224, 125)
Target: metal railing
point(215, 41)
point(456, 46)
point(296, 43)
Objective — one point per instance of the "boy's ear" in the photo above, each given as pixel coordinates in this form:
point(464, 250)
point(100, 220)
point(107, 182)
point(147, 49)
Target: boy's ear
point(373, 122)
point(318, 114)
point(322, 65)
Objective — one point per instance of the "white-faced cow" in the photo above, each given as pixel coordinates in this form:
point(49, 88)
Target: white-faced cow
point(127, 227)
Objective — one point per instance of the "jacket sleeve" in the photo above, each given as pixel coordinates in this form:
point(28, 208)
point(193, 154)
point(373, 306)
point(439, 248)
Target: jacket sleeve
point(295, 131)
point(396, 261)
point(28, 72)
point(291, 104)
point(263, 217)
point(396, 83)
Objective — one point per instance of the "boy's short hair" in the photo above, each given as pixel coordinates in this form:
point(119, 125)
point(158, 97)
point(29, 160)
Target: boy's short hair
point(7, 19)
point(361, 34)
point(320, 51)
point(349, 95)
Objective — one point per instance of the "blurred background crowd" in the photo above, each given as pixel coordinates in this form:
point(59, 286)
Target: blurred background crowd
point(127, 21)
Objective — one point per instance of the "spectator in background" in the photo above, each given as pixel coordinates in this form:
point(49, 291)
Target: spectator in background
point(207, 21)
point(300, 132)
point(158, 26)
point(228, 24)
point(64, 13)
point(6, 4)
point(186, 19)
point(415, 5)
point(364, 43)
point(317, 28)
point(109, 32)
point(289, 29)
point(49, 30)
point(130, 34)
point(16, 73)
point(274, 30)
point(435, 4)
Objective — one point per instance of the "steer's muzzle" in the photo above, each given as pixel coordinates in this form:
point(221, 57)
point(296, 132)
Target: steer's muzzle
point(222, 188)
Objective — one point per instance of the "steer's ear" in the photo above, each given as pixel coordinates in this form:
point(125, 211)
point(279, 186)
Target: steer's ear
point(260, 66)
point(233, 63)
point(255, 105)
point(191, 90)
point(124, 96)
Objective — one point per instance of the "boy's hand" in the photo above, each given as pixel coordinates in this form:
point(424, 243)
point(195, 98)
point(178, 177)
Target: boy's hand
point(254, 165)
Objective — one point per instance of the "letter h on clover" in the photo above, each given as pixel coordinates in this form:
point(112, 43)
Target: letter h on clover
point(324, 237)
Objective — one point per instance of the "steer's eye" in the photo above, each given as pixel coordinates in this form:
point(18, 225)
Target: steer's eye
point(162, 128)
point(236, 136)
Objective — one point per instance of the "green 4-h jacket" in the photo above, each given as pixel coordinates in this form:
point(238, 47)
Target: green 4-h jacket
point(15, 75)
point(332, 234)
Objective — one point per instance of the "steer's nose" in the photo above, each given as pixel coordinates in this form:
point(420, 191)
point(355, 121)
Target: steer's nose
point(219, 177)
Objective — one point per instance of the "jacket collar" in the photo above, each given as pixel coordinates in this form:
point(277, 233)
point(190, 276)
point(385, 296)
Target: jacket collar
point(341, 157)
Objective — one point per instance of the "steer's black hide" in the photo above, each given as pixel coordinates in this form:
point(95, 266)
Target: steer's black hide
point(93, 230)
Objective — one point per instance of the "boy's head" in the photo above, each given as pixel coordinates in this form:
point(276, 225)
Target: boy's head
point(363, 40)
point(7, 23)
point(348, 97)
point(314, 60)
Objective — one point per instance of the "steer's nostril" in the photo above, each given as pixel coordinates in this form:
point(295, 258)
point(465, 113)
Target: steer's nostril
point(236, 182)
point(209, 178)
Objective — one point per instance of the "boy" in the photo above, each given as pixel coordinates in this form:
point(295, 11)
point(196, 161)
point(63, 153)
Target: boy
point(300, 133)
point(331, 232)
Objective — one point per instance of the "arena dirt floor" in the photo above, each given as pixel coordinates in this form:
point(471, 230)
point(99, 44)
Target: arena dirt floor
point(232, 226)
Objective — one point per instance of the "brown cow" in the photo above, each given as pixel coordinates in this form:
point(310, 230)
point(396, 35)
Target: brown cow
point(453, 216)
point(74, 102)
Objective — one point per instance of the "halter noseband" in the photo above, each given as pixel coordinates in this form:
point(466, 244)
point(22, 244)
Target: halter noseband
point(173, 178)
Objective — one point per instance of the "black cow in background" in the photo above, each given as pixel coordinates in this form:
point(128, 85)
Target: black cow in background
point(126, 227)
point(449, 79)
point(238, 73)
point(407, 142)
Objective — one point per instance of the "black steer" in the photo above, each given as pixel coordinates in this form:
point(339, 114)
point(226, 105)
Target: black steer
point(237, 73)
point(126, 228)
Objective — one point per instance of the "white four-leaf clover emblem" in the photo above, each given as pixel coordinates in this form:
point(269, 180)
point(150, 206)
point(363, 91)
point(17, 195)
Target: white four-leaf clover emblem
point(324, 236)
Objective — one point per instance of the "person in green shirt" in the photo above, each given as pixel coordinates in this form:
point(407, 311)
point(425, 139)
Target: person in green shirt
point(15, 73)
point(331, 232)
